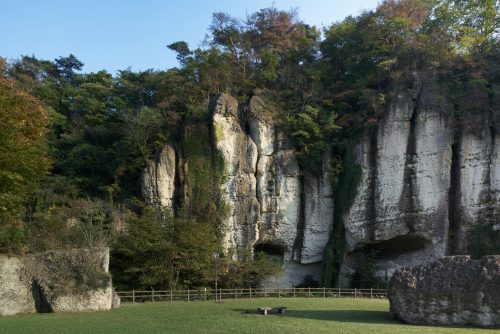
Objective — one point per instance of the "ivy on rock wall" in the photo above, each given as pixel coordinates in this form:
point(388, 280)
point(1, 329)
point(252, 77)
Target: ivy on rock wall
point(345, 178)
point(204, 177)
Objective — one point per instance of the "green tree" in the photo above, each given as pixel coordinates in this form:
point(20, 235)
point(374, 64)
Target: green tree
point(163, 252)
point(468, 25)
point(312, 129)
point(23, 157)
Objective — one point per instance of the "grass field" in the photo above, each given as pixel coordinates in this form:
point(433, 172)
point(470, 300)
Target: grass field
point(333, 315)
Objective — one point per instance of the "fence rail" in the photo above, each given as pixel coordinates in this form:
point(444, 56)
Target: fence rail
point(135, 296)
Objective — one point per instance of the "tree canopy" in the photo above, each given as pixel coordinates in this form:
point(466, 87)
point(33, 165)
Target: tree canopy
point(23, 156)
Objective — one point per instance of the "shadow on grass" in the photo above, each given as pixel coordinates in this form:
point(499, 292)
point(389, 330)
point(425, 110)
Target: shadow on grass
point(356, 316)
point(369, 317)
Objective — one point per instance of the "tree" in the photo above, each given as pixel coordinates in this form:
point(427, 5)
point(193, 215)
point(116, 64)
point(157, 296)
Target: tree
point(468, 25)
point(66, 66)
point(23, 157)
point(311, 130)
point(161, 251)
point(182, 50)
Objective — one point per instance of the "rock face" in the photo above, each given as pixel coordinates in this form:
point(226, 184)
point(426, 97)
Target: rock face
point(62, 281)
point(15, 288)
point(274, 208)
point(453, 290)
point(158, 178)
point(426, 181)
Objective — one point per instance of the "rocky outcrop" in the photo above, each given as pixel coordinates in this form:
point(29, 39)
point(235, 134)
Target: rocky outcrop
point(158, 179)
point(428, 178)
point(57, 281)
point(426, 181)
point(15, 287)
point(454, 290)
point(240, 158)
point(273, 207)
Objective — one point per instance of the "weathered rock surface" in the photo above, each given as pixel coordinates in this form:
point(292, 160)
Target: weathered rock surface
point(240, 157)
point(318, 197)
point(274, 208)
point(15, 288)
point(57, 281)
point(158, 179)
point(426, 181)
point(453, 290)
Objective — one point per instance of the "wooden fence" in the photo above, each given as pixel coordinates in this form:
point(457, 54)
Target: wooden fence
point(135, 296)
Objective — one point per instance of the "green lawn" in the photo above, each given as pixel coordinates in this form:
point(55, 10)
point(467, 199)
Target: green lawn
point(314, 315)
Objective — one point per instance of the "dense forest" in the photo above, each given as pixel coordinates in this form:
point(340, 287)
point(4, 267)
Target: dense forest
point(73, 144)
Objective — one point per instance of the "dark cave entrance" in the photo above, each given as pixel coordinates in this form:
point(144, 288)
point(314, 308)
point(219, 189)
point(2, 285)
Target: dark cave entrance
point(396, 246)
point(41, 303)
point(270, 248)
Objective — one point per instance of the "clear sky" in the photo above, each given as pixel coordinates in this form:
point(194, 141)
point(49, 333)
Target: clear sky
point(116, 34)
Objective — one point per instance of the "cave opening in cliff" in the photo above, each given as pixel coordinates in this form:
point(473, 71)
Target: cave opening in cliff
point(41, 303)
point(396, 246)
point(270, 248)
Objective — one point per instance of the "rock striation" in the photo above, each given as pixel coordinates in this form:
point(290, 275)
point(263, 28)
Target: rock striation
point(158, 179)
point(428, 178)
point(56, 281)
point(454, 290)
point(274, 207)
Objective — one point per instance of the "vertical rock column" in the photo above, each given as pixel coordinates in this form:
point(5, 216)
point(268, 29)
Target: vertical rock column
point(240, 157)
point(158, 179)
point(406, 219)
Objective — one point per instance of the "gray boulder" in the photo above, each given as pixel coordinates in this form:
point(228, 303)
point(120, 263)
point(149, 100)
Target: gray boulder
point(454, 290)
point(70, 280)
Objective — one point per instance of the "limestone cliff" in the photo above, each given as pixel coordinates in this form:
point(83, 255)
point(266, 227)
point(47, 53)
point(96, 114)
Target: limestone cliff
point(158, 178)
point(427, 178)
point(274, 208)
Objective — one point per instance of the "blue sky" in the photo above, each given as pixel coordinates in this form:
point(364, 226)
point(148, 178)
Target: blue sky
point(114, 35)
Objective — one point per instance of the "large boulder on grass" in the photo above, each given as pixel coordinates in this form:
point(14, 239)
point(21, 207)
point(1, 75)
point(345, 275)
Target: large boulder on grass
point(454, 290)
point(56, 281)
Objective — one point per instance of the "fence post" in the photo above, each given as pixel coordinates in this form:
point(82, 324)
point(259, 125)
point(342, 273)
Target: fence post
point(371, 293)
point(294, 292)
point(309, 292)
point(354, 293)
point(339, 291)
point(235, 293)
point(265, 292)
point(250, 292)
point(133, 296)
point(279, 292)
point(188, 296)
point(324, 292)
point(205, 294)
point(152, 295)
point(171, 295)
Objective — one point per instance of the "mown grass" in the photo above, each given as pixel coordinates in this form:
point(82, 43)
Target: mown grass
point(304, 315)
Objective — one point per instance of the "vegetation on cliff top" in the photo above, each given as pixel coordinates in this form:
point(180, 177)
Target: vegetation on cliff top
point(102, 130)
